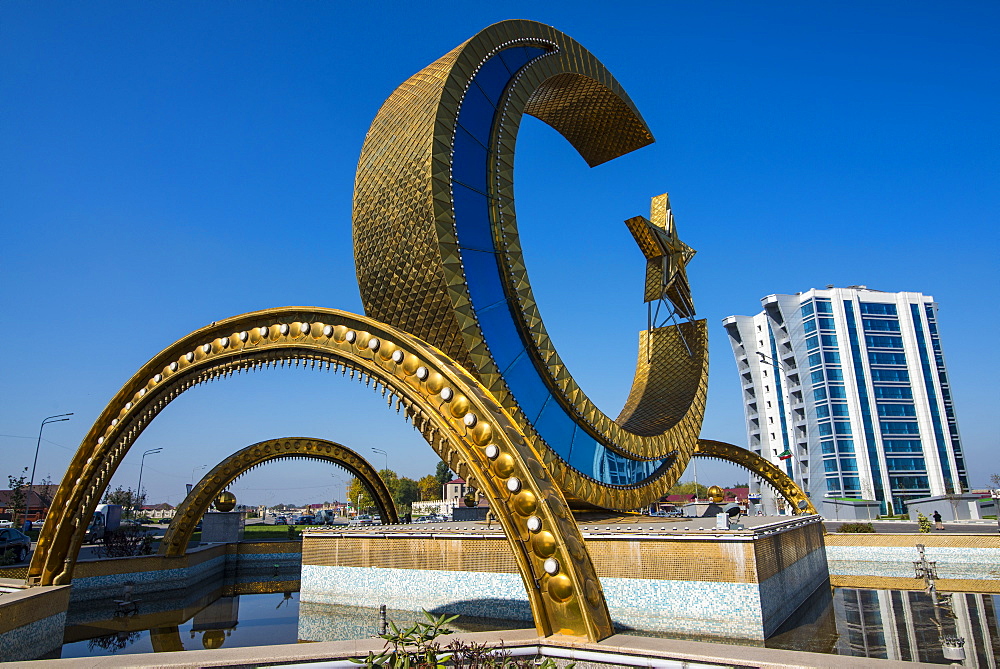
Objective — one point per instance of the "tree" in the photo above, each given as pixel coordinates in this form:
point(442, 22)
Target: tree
point(995, 480)
point(429, 488)
point(391, 481)
point(43, 493)
point(357, 490)
point(740, 485)
point(688, 488)
point(126, 497)
point(442, 474)
point(18, 494)
point(407, 493)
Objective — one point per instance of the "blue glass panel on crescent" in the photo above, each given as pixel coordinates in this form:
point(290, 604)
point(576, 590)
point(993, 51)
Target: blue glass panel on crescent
point(496, 316)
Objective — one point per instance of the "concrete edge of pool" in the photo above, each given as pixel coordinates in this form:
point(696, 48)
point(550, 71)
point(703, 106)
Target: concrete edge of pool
point(627, 650)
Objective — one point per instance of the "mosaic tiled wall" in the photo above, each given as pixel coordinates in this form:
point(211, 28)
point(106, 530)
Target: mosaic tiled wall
point(734, 587)
point(31, 622)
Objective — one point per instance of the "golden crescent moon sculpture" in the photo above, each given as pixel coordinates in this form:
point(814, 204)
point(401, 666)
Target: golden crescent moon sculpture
point(437, 254)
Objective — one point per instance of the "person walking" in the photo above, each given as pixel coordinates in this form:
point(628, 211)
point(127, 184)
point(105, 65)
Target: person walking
point(938, 525)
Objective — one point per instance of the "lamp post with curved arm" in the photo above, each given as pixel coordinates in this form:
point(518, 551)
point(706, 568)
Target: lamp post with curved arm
point(138, 489)
point(31, 484)
point(384, 454)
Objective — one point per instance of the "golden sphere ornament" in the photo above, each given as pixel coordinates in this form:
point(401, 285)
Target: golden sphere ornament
point(226, 501)
point(715, 494)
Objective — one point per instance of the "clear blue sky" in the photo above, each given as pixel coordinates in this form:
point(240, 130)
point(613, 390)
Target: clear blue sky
point(165, 165)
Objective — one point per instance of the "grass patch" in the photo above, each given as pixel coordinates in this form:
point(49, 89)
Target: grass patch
point(251, 532)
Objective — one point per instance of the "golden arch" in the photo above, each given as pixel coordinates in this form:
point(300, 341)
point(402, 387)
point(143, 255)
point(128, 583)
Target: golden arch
point(457, 416)
point(413, 262)
point(194, 506)
point(778, 479)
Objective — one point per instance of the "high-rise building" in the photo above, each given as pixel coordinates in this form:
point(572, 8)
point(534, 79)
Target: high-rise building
point(845, 389)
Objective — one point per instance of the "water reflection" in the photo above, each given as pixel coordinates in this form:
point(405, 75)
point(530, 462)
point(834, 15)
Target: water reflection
point(895, 625)
point(888, 624)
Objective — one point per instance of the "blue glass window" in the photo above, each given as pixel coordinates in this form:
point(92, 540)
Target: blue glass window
point(842, 428)
point(876, 309)
point(824, 307)
point(833, 485)
point(468, 166)
point(852, 483)
point(902, 446)
point(819, 394)
point(817, 376)
point(823, 411)
point(483, 278)
point(806, 310)
point(829, 340)
point(905, 464)
point(834, 374)
point(825, 429)
point(830, 465)
point(879, 358)
point(880, 325)
point(812, 342)
point(897, 410)
point(492, 78)
point(827, 446)
point(893, 392)
point(527, 386)
point(831, 357)
point(883, 341)
point(845, 445)
point(890, 375)
point(909, 482)
point(849, 464)
point(501, 334)
point(809, 326)
point(472, 219)
point(840, 410)
point(902, 427)
point(837, 392)
point(583, 455)
point(815, 359)
point(476, 114)
point(826, 324)
point(556, 427)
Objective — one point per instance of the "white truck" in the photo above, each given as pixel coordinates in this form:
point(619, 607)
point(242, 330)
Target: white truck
point(107, 518)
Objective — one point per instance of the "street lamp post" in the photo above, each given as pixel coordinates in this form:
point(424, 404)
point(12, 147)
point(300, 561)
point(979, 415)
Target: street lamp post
point(386, 455)
point(193, 470)
point(31, 484)
point(138, 489)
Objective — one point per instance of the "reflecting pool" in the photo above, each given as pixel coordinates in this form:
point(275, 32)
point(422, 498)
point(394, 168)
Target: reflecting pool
point(891, 624)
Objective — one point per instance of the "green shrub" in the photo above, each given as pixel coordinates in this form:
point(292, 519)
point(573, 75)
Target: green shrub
point(858, 528)
point(923, 523)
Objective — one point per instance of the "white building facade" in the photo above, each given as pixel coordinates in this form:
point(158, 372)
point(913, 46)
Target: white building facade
point(845, 389)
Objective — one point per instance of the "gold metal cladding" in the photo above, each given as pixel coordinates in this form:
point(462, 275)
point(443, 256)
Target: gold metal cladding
point(194, 506)
point(778, 479)
point(409, 267)
point(583, 613)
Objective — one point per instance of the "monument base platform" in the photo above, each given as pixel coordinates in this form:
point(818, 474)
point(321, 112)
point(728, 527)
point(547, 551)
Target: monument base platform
point(222, 527)
point(687, 579)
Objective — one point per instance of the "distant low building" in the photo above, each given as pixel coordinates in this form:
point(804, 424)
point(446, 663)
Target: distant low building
point(38, 501)
point(161, 510)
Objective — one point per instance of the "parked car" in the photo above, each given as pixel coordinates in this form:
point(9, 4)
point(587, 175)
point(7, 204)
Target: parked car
point(361, 520)
point(6, 523)
point(280, 520)
point(16, 542)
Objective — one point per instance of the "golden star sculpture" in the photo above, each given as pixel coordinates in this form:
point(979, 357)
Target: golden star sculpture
point(666, 256)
